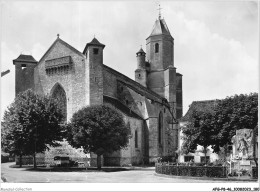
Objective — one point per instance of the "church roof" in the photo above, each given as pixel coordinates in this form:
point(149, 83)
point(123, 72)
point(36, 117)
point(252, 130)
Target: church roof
point(65, 44)
point(200, 106)
point(25, 58)
point(160, 27)
point(93, 42)
point(137, 87)
point(120, 106)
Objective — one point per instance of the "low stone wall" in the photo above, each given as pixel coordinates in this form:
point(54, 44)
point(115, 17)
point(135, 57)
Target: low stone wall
point(255, 172)
point(28, 160)
point(193, 171)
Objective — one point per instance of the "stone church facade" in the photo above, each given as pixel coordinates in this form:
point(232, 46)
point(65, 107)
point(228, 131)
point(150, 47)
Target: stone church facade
point(151, 104)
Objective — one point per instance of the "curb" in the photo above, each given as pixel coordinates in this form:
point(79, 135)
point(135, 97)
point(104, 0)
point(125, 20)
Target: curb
point(205, 178)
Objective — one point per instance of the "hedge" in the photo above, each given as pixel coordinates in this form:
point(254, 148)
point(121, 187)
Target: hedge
point(193, 171)
point(255, 172)
point(4, 157)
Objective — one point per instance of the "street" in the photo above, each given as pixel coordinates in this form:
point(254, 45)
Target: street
point(22, 175)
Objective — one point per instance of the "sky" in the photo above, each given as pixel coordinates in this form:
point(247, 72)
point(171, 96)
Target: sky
point(216, 45)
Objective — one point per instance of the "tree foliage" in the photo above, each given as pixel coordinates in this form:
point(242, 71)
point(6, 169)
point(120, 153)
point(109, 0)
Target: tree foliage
point(99, 129)
point(233, 113)
point(30, 124)
point(217, 128)
point(199, 131)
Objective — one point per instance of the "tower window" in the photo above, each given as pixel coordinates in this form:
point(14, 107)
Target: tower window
point(95, 51)
point(156, 47)
point(23, 66)
point(136, 139)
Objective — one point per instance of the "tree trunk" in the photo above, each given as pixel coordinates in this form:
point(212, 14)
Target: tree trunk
point(34, 161)
point(99, 162)
point(225, 153)
point(20, 160)
point(205, 154)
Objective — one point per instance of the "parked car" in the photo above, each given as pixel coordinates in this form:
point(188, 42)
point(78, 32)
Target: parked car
point(61, 161)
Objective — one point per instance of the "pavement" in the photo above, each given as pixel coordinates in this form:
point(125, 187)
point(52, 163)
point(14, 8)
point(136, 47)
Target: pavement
point(127, 175)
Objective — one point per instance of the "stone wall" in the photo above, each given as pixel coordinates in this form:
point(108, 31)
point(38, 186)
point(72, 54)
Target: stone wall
point(74, 81)
point(132, 154)
point(24, 77)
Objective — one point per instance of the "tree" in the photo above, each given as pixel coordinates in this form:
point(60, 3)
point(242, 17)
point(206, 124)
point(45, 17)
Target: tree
point(217, 126)
point(198, 131)
point(233, 113)
point(31, 124)
point(99, 129)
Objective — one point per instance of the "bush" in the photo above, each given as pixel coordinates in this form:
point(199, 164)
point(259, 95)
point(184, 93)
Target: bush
point(194, 171)
point(170, 159)
point(4, 157)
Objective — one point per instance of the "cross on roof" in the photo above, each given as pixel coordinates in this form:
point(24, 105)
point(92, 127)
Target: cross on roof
point(159, 11)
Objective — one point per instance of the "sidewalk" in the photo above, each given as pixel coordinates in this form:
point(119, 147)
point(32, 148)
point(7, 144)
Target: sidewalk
point(208, 178)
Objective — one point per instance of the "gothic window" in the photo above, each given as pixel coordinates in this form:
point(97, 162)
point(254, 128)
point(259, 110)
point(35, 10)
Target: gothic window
point(136, 139)
point(59, 95)
point(160, 128)
point(95, 51)
point(156, 47)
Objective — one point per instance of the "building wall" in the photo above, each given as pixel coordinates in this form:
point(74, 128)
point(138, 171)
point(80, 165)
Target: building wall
point(198, 154)
point(74, 82)
point(148, 107)
point(164, 57)
point(131, 155)
point(95, 69)
point(24, 77)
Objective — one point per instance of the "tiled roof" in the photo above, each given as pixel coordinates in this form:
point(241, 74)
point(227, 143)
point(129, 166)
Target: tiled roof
point(128, 82)
point(25, 58)
point(200, 106)
point(160, 27)
point(141, 51)
point(93, 42)
point(120, 106)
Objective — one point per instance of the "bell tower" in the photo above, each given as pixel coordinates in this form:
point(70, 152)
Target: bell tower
point(160, 55)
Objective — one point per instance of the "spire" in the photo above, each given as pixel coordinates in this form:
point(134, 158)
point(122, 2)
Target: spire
point(160, 27)
point(159, 12)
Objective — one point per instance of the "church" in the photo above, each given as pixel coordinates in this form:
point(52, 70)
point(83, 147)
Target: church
point(151, 104)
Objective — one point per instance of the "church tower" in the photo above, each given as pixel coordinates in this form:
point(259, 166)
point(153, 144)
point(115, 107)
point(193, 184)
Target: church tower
point(94, 56)
point(24, 73)
point(162, 75)
point(140, 72)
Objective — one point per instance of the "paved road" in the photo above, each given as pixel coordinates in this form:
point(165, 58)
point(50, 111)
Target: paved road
point(22, 175)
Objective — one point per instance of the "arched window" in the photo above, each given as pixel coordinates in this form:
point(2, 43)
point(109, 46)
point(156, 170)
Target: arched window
point(156, 47)
point(59, 94)
point(160, 128)
point(136, 139)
